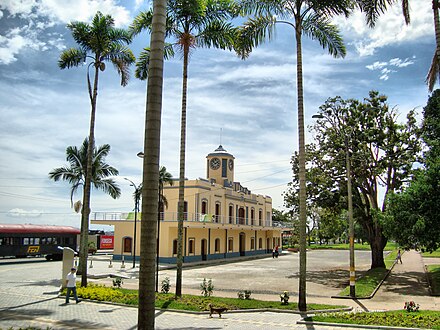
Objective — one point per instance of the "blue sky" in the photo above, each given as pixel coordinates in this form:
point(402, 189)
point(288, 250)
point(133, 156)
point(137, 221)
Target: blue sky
point(253, 103)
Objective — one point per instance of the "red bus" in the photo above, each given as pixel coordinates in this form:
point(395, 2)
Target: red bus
point(17, 240)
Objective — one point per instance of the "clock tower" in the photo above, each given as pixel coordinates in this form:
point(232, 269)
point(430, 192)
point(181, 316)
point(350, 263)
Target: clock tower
point(220, 167)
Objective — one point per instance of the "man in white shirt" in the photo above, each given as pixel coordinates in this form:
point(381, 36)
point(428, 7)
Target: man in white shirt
point(71, 285)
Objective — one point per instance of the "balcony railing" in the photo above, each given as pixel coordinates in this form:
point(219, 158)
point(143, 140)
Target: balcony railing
point(191, 217)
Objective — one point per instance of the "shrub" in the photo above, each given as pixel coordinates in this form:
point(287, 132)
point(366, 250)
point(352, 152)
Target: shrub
point(117, 282)
point(165, 285)
point(285, 298)
point(411, 306)
point(246, 294)
point(207, 287)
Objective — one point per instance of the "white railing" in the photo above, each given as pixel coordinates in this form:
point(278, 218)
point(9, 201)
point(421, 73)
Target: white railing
point(191, 217)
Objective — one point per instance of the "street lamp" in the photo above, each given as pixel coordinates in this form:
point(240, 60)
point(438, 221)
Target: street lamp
point(350, 208)
point(137, 196)
point(140, 154)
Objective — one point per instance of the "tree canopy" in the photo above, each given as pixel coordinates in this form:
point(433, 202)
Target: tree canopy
point(381, 150)
point(413, 213)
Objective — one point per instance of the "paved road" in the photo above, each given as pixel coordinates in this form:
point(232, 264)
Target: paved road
point(28, 294)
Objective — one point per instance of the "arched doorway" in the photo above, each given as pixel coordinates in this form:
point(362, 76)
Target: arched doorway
point(268, 247)
point(242, 244)
point(203, 249)
point(241, 216)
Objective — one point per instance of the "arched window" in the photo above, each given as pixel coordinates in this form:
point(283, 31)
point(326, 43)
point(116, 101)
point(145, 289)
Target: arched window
point(175, 247)
point(217, 212)
point(204, 206)
point(217, 245)
point(126, 244)
point(252, 216)
point(231, 213)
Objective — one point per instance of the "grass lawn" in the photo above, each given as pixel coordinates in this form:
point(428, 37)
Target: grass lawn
point(404, 319)
point(357, 246)
point(366, 285)
point(435, 254)
point(187, 302)
point(434, 278)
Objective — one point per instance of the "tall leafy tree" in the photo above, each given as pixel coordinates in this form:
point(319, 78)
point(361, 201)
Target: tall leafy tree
point(98, 43)
point(413, 220)
point(74, 173)
point(189, 25)
point(150, 181)
point(312, 19)
point(382, 152)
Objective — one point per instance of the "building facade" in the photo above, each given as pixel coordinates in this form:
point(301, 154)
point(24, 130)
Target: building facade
point(222, 219)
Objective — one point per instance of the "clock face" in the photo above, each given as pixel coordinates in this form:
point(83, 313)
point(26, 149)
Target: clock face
point(231, 164)
point(215, 163)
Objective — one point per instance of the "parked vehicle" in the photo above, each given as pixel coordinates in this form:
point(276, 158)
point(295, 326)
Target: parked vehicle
point(18, 240)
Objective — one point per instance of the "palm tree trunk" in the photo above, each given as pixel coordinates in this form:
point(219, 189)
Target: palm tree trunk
point(302, 306)
point(150, 182)
point(181, 203)
point(435, 8)
point(85, 213)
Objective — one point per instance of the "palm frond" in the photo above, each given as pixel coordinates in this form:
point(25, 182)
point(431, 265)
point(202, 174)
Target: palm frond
point(71, 57)
point(81, 33)
point(319, 28)
point(108, 186)
point(119, 36)
point(254, 32)
point(373, 9)
point(141, 22)
point(217, 34)
point(433, 73)
point(331, 8)
point(281, 8)
point(143, 61)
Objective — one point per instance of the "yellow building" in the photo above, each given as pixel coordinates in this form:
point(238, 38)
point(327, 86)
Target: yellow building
point(222, 219)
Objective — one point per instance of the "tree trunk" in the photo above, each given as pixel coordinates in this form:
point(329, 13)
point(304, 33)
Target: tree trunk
point(181, 202)
point(377, 244)
point(85, 212)
point(302, 305)
point(150, 182)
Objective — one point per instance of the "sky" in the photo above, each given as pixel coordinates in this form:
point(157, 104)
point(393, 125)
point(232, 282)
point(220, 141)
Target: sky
point(247, 106)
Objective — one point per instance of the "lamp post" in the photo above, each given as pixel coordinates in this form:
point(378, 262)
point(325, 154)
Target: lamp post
point(350, 207)
point(137, 196)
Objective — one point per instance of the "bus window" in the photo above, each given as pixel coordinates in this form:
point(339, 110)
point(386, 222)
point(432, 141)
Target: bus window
point(36, 240)
point(25, 241)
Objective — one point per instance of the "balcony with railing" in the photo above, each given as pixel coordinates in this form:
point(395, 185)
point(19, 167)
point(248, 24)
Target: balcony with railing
point(188, 217)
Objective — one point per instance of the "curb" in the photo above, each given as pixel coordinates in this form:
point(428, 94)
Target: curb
point(236, 311)
point(359, 326)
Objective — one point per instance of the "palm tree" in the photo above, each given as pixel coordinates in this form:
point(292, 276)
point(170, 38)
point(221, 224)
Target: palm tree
point(191, 24)
point(98, 42)
point(309, 17)
point(150, 181)
point(74, 173)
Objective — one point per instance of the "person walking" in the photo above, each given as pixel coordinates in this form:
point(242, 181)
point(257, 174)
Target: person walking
point(399, 257)
point(71, 285)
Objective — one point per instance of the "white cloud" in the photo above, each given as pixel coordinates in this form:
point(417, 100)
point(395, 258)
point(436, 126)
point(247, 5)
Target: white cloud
point(42, 15)
point(384, 69)
point(390, 27)
point(23, 213)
